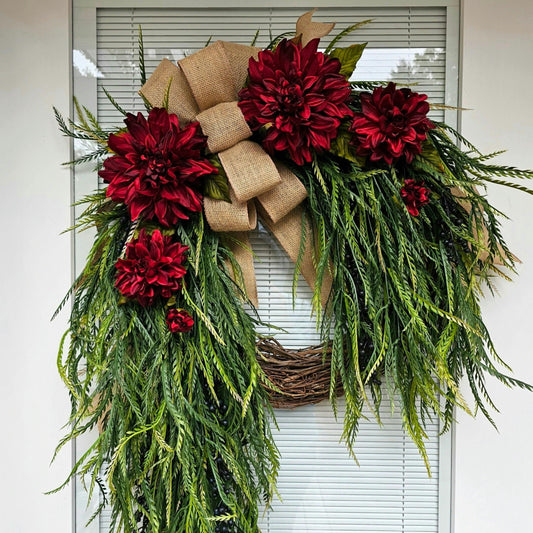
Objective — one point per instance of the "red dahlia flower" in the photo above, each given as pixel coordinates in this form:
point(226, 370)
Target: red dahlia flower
point(415, 195)
point(153, 267)
point(392, 124)
point(179, 321)
point(299, 95)
point(157, 167)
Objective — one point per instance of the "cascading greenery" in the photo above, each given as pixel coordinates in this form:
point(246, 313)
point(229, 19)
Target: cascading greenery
point(404, 306)
point(185, 442)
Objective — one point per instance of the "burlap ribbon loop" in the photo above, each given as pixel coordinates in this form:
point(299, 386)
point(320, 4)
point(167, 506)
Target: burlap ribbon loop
point(279, 201)
point(204, 87)
point(226, 217)
point(224, 125)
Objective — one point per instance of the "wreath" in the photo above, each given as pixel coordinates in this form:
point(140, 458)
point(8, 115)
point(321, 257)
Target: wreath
point(377, 206)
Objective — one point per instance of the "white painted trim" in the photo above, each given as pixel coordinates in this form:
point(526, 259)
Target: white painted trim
point(84, 87)
point(452, 64)
point(451, 117)
point(84, 182)
point(304, 4)
point(446, 465)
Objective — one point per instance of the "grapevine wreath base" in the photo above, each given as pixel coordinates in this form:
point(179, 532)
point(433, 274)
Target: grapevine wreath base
point(376, 205)
point(295, 377)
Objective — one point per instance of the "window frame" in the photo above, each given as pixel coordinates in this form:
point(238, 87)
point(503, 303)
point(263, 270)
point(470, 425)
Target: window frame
point(84, 28)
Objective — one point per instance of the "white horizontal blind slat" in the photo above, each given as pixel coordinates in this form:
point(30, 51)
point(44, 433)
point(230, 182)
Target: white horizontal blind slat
point(403, 43)
point(322, 487)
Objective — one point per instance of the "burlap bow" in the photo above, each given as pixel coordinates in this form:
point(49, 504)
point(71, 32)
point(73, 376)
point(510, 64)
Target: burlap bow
point(204, 87)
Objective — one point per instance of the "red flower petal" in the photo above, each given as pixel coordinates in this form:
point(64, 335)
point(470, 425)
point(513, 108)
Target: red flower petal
point(153, 267)
point(152, 158)
point(179, 321)
point(300, 94)
point(414, 195)
point(392, 124)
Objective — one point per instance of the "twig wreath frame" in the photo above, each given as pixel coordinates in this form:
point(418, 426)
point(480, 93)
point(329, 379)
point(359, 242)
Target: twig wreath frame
point(376, 205)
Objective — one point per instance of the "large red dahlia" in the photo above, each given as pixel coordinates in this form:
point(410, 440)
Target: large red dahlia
point(157, 167)
point(299, 95)
point(153, 267)
point(392, 124)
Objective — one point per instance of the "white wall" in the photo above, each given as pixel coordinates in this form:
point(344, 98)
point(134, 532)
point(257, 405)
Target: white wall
point(35, 266)
point(494, 471)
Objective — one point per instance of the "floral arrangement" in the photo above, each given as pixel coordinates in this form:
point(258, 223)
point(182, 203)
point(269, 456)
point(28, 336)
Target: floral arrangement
point(376, 205)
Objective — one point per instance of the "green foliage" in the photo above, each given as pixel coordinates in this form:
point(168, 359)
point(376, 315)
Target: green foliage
point(431, 156)
point(142, 67)
point(342, 145)
point(404, 308)
point(346, 32)
point(367, 85)
point(184, 419)
point(167, 94)
point(216, 186)
point(274, 41)
point(114, 103)
point(348, 57)
point(87, 129)
point(254, 40)
point(184, 427)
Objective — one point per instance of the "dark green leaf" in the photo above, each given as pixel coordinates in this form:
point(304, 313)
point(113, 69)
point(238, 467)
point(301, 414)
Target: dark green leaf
point(341, 146)
point(348, 57)
point(216, 185)
point(431, 156)
point(167, 94)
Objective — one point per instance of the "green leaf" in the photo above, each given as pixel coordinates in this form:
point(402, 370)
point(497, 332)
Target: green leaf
point(216, 185)
point(142, 67)
point(341, 146)
point(348, 57)
point(431, 156)
point(167, 95)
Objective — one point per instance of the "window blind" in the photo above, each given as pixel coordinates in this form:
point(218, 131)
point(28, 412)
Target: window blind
point(407, 44)
point(321, 487)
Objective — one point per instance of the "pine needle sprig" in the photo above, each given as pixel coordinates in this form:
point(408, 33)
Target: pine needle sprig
point(274, 41)
point(87, 130)
point(360, 85)
point(344, 33)
point(142, 67)
point(114, 103)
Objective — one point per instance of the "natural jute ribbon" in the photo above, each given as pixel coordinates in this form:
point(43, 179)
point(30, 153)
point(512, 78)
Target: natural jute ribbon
point(204, 87)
